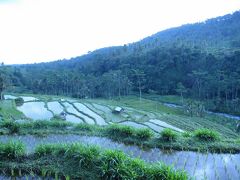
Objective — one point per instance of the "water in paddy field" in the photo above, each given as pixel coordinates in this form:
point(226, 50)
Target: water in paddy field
point(35, 111)
point(55, 107)
point(9, 97)
point(70, 108)
point(99, 120)
point(199, 165)
point(73, 119)
point(28, 98)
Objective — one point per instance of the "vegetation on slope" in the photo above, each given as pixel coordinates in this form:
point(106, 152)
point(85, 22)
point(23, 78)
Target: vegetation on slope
point(192, 61)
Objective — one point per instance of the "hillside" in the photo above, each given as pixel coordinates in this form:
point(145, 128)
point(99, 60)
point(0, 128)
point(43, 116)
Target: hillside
point(200, 61)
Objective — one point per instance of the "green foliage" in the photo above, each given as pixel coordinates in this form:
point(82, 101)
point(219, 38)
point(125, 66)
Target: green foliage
point(143, 134)
point(84, 127)
point(19, 101)
point(198, 60)
point(206, 135)
point(114, 166)
point(12, 150)
point(84, 155)
point(168, 135)
point(47, 149)
point(161, 171)
point(120, 131)
point(12, 127)
point(47, 124)
point(77, 161)
point(186, 134)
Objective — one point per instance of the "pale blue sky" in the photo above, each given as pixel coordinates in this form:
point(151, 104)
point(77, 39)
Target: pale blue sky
point(44, 30)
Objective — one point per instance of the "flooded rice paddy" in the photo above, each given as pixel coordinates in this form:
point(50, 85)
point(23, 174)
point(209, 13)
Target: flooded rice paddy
point(91, 113)
point(198, 165)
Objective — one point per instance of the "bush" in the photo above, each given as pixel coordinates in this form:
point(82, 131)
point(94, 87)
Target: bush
point(11, 126)
point(114, 166)
point(206, 135)
point(168, 135)
point(46, 149)
point(186, 134)
point(120, 131)
point(84, 155)
point(12, 149)
point(108, 164)
point(19, 101)
point(84, 127)
point(144, 134)
point(164, 172)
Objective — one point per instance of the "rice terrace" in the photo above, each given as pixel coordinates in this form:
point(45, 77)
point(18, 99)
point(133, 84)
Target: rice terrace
point(120, 90)
point(148, 132)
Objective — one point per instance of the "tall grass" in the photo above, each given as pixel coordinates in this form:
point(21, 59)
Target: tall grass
point(12, 150)
point(206, 135)
point(121, 131)
point(168, 135)
point(108, 164)
point(12, 127)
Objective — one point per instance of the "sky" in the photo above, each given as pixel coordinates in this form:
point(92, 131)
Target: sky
point(46, 30)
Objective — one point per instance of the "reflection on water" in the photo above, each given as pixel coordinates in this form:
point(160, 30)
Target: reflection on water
point(73, 119)
point(208, 166)
point(83, 108)
point(35, 111)
point(72, 110)
point(55, 107)
point(9, 97)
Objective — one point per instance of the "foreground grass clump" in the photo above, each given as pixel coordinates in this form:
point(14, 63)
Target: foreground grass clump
point(206, 135)
point(12, 150)
point(108, 164)
point(121, 131)
point(168, 135)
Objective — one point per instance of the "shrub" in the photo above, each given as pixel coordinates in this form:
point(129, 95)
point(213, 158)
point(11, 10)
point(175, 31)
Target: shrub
point(163, 172)
point(46, 124)
point(11, 126)
point(114, 166)
point(108, 164)
point(186, 134)
point(84, 127)
point(19, 101)
point(144, 134)
point(46, 149)
point(168, 135)
point(12, 149)
point(117, 131)
point(206, 135)
point(84, 155)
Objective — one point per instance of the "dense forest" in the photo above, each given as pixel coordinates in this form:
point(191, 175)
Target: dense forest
point(199, 61)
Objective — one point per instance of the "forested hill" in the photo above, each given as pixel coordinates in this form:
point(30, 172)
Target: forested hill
point(215, 34)
point(201, 61)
